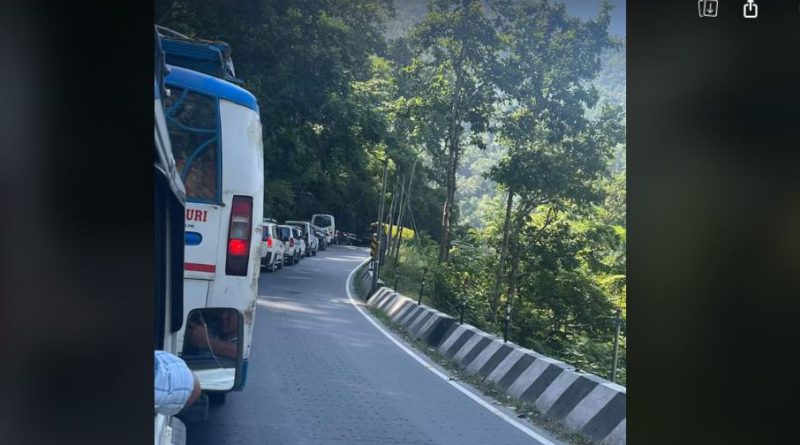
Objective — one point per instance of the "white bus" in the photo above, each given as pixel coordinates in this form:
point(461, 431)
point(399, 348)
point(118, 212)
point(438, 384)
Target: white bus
point(215, 130)
point(325, 221)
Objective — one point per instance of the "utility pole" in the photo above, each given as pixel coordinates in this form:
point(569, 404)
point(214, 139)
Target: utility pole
point(394, 248)
point(508, 319)
point(403, 209)
point(618, 321)
point(464, 300)
point(377, 269)
point(422, 286)
point(390, 219)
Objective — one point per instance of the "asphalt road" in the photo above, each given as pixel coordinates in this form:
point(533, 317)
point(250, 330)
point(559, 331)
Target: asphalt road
point(321, 373)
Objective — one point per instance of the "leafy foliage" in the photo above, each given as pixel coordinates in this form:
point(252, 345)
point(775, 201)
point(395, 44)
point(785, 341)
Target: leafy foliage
point(489, 99)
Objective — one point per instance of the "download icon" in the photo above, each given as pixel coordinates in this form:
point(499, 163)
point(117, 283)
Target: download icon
point(707, 8)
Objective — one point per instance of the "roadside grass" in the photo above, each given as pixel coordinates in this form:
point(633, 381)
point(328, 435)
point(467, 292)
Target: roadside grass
point(523, 410)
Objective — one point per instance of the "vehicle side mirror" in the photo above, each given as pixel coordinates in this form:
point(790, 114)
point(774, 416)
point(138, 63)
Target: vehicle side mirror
point(211, 347)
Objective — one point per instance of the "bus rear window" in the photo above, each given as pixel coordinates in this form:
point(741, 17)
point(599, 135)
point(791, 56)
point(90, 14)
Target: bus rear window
point(192, 119)
point(322, 221)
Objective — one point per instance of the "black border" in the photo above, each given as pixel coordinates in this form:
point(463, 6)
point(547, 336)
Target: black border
point(713, 215)
point(77, 260)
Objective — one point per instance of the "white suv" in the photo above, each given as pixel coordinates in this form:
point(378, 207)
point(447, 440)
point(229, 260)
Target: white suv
point(311, 240)
point(272, 248)
point(300, 242)
point(291, 253)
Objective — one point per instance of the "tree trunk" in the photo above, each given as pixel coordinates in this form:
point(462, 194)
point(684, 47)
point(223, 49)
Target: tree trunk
point(444, 251)
point(512, 278)
point(453, 137)
point(494, 305)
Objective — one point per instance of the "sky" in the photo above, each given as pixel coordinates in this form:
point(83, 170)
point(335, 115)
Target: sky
point(586, 9)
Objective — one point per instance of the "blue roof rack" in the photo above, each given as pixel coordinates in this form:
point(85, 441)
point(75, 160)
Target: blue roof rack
point(209, 57)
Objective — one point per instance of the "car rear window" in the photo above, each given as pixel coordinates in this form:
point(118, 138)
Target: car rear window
point(192, 120)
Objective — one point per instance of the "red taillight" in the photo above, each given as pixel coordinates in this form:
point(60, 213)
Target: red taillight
point(239, 232)
point(269, 242)
point(291, 242)
point(237, 247)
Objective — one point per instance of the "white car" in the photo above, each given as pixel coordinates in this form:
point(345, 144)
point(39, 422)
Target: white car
point(311, 240)
point(300, 242)
point(291, 252)
point(323, 239)
point(272, 248)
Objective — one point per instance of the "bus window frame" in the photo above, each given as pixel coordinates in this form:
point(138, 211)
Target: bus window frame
point(203, 147)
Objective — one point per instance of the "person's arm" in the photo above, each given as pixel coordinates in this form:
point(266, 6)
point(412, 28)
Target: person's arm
point(197, 334)
point(174, 383)
point(224, 348)
point(196, 391)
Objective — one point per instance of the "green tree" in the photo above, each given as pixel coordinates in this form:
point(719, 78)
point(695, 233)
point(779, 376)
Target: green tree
point(556, 153)
point(450, 87)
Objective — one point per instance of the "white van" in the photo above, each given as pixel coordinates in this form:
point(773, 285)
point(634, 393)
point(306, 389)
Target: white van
point(325, 221)
point(216, 137)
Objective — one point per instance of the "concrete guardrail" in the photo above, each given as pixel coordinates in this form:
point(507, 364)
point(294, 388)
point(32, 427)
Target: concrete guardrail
point(582, 402)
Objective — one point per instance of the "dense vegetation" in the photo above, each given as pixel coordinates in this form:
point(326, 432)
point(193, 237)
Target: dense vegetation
point(489, 113)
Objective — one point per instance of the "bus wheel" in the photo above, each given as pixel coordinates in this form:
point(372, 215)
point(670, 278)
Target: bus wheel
point(216, 398)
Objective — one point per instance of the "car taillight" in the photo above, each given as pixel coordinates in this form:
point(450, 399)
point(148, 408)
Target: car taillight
point(291, 242)
point(239, 232)
point(269, 242)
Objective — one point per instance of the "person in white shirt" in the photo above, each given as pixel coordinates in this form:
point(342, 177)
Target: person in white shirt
point(175, 385)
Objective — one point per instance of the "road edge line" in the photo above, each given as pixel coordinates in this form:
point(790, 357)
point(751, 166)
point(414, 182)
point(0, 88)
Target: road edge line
point(446, 378)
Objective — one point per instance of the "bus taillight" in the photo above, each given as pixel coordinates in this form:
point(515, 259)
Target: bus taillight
point(239, 232)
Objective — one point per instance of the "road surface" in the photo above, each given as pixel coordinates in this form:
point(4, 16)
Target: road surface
point(321, 373)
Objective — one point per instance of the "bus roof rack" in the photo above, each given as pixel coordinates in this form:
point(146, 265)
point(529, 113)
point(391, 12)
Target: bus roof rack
point(206, 56)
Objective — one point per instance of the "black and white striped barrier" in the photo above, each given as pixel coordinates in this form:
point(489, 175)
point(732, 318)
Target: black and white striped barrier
point(580, 401)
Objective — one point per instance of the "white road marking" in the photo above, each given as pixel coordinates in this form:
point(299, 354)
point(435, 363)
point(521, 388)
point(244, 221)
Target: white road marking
point(438, 373)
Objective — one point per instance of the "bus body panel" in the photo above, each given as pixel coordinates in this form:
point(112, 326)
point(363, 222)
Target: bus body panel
point(243, 174)
point(203, 226)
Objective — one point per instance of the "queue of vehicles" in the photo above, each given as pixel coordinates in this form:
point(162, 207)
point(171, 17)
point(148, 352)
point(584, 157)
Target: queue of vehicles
point(212, 239)
point(288, 243)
